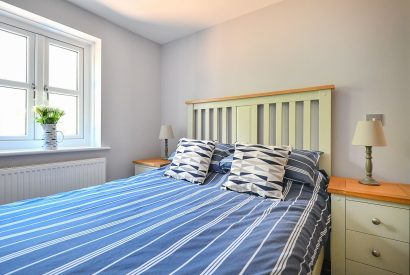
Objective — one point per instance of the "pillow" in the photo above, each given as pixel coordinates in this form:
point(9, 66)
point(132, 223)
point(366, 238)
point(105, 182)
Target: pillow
point(191, 160)
point(302, 165)
point(221, 151)
point(258, 169)
point(226, 163)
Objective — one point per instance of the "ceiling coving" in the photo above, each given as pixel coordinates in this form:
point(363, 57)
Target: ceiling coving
point(166, 20)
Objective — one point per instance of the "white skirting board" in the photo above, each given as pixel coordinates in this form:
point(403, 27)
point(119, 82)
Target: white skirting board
point(19, 183)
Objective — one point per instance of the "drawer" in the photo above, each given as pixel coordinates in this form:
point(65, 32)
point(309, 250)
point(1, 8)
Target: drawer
point(394, 222)
point(394, 255)
point(355, 268)
point(142, 168)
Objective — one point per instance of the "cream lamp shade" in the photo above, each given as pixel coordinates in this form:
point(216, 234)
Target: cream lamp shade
point(369, 133)
point(166, 132)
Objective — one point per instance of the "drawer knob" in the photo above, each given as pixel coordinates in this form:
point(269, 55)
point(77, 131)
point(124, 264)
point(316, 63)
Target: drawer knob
point(376, 253)
point(376, 221)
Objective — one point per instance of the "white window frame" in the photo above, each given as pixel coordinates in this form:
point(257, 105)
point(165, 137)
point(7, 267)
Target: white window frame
point(27, 85)
point(89, 133)
point(82, 112)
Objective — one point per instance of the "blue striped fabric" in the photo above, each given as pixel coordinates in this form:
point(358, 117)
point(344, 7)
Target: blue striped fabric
point(152, 224)
point(302, 165)
point(221, 151)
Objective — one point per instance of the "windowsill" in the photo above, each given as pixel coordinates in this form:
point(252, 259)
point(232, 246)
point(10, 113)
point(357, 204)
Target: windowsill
point(40, 151)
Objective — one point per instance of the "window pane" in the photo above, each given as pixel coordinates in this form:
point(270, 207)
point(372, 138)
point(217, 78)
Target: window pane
point(62, 68)
point(13, 56)
point(67, 103)
point(13, 105)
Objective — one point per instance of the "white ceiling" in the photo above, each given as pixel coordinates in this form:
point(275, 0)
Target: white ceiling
point(166, 20)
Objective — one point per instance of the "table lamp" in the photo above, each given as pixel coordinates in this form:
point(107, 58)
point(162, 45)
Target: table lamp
point(368, 134)
point(166, 133)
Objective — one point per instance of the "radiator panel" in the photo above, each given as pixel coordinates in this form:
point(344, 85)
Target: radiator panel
point(19, 183)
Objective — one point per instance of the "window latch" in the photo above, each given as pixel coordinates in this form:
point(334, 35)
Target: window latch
point(33, 87)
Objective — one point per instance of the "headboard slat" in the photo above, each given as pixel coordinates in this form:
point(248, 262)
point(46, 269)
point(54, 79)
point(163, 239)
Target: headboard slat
point(279, 112)
point(234, 122)
point(207, 125)
point(224, 125)
point(199, 124)
point(266, 123)
point(306, 124)
point(215, 124)
point(292, 123)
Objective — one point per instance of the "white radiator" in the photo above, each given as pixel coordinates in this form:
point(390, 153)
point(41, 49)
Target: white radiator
point(19, 183)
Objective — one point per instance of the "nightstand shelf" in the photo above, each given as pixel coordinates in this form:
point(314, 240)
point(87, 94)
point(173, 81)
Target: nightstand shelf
point(370, 227)
point(144, 165)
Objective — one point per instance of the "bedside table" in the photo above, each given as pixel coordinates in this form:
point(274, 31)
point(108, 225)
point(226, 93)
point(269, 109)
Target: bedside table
point(370, 227)
point(144, 165)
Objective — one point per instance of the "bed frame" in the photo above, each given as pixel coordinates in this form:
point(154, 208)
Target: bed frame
point(299, 117)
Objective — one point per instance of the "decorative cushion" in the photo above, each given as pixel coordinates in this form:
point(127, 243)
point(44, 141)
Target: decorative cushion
point(191, 160)
point(302, 165)
point(258, 169)
point(221, 151)
point(226, 163)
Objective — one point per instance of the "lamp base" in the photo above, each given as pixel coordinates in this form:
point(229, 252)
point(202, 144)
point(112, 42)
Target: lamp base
point(369, 181)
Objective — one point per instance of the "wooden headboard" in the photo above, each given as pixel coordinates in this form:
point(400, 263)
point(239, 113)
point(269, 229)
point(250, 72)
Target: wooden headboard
point(299, 117)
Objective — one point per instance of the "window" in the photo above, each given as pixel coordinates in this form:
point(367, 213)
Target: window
point(16, 76)
point(64, 74)
point(43, 67)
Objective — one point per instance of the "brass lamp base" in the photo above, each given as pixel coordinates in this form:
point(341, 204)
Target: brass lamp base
point(369, 181)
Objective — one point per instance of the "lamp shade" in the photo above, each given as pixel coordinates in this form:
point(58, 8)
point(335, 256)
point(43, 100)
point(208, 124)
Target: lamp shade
point(166, 132)
point(369, 133)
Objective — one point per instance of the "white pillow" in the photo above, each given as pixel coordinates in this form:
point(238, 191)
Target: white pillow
point(191, 160)
point(258, 169)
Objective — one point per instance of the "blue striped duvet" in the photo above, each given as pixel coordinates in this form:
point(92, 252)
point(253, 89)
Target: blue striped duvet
point(151, 224)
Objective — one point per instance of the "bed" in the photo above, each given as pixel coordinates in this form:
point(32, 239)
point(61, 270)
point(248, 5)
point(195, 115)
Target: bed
point(156, 225)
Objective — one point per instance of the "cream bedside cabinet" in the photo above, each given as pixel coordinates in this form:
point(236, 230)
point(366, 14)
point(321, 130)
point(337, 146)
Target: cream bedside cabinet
point(370, 228)
point(144, 165)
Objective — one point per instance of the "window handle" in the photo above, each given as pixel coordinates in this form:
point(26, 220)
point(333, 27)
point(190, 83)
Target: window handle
point(33, 87)
point(45, 88)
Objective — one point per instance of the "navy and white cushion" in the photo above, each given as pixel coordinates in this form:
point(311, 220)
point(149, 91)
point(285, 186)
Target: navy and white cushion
point(191, 160)
point(226, 163)
point(221, 151)
point(302, 165)
point(258, 169)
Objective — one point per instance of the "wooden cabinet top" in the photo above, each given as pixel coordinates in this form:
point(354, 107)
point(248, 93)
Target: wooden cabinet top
point(386, 191)
point(154, 162)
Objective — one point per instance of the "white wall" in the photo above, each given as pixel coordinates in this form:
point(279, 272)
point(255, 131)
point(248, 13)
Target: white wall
point(130, 89)
point(363, 47)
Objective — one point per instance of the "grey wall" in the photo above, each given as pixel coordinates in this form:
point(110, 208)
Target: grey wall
point(130, 89)
point(363, 47)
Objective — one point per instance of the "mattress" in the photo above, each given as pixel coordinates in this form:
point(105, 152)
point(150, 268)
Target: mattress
point(156, 225)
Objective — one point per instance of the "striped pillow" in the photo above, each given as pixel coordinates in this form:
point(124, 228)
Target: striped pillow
point(226, 163)
point(221, 151)
point(302, 166)
point(191, 160)
point(258, 169)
